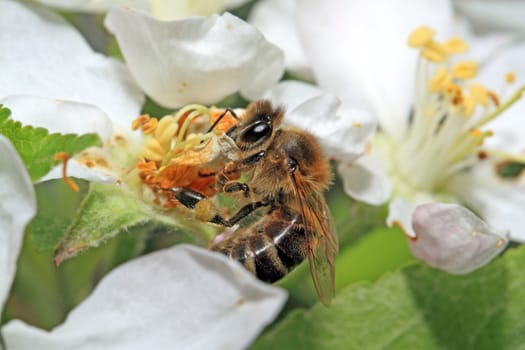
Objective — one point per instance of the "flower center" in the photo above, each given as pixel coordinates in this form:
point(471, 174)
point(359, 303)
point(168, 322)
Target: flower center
point(448, 122)
point(180, 151)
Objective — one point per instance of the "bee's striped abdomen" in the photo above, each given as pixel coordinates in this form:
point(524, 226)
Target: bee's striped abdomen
point(271, 247)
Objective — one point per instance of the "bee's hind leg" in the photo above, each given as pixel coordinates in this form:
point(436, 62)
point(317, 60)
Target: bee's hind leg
point(240, 214)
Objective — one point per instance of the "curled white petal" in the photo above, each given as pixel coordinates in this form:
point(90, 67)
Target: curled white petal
point(43, 55)
point(17, 207)
point(452, 238)
point(58, 116)
point(276, 20)
point(179, 298)
point(344, 134)
point(198, 59)
point(400, 214)
point(367, 64)
point(366, 180)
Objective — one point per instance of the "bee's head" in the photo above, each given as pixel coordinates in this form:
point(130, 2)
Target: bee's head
point(257, 126)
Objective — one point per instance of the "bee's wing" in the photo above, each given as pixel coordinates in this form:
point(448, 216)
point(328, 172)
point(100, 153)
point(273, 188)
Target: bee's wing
point(322, 239)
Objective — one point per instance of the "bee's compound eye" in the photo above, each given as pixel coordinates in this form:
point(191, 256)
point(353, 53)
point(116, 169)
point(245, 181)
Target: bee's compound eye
point(256, 132)
point(292, 165)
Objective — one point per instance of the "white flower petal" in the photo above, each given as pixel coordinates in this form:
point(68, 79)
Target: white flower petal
point(97, 5)
point(343, 134)
point(482, 48)
point(493, 15)
point(452, 238)
point(179, 298)
point(169, 9)
point(80, 171)
point(58, 116)
point(400, 214)
point(366, 180)
point(276, 20)
point(508, 128)
point(358, 51)
point(17, 207)
point(49, 58)
point(498, 201)
point(195, 60)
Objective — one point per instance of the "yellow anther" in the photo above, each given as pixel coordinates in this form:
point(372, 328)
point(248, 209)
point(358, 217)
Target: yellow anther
point(440, 80)
point(469, 106)
point(420, 37)
point(480, 94)
point(510, 77)
point(465, 69)
point(166, 130)
point(434, 52)
point(454, 90)
point(163, 124)
point(150, 126)
point(475, 132)
point(455, 46)
point(168, 135)
point(139, 121)
point(480, 136)
point(153, 151)
point(144, 167)
point(357, 125)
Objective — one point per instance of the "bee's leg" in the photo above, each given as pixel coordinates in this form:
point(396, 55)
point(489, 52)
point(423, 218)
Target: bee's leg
point(188, 197)
point(234, 186)
point(226, 111)
point(241, 213)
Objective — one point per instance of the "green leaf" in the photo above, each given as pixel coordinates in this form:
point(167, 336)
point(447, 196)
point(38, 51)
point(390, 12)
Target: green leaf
point(109, 210)
point(57, 205)
point(357, 262)
point(37, 147)
point(416, 308)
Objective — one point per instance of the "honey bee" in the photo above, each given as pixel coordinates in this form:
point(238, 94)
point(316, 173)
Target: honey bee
point(286, 173)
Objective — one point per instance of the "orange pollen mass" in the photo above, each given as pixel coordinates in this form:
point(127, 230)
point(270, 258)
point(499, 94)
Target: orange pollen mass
point(139, 121)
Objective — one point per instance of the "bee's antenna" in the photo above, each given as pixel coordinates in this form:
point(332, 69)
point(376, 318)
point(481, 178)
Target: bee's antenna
point(227, 110)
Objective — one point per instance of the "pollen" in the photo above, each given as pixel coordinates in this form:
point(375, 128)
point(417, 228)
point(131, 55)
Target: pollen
point(153, 150)
point(150, 126)
point(480, 94)
point(139, 121)
point(465, 70)
point(455, 46)
point(440, 80)
point(145, 167)
point(469, 106)
point(420, 37)
point(510, 77)
point(434, 52)
point(166, 131)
